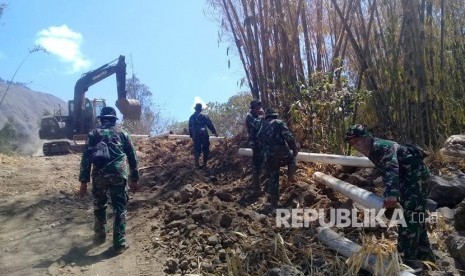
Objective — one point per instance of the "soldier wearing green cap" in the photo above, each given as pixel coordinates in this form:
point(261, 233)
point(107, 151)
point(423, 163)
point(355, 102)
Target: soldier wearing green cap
point(279, 148)
point(107, 147)
point(404, 176)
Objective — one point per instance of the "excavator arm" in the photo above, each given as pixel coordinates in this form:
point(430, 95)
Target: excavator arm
point(130, 108)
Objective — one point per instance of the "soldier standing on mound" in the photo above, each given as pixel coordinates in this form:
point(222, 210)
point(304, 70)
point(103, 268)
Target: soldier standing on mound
point(277, 142)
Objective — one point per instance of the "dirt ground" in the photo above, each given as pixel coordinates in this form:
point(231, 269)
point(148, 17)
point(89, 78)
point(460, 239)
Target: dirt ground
point(47, 230)
point(183, 221)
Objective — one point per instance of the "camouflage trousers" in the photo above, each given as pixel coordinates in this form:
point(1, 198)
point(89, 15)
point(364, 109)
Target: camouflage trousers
point(117, 188)
point(201, 145)
point(257, 164)
point(272, 172)
point(413, 242)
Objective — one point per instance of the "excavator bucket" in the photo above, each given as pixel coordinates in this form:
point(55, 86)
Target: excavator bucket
point(130, 108)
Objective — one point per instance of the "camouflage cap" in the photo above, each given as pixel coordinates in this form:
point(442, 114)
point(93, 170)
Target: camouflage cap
point(108, 112)
point(357, 131)
point(255, 103)
point(270, 112)
point(198, 106)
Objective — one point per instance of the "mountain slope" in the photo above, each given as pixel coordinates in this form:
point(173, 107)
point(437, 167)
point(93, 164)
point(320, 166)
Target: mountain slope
point(26, 107)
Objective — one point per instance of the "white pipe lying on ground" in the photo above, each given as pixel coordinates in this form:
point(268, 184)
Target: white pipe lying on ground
point(187, 137)
point(362, 196)
point(139, 136)
point(324, 158)
point(164, 134)
point(347, 248)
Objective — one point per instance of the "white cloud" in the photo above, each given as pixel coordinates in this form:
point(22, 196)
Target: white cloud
point(64, 43)
point(197, 100)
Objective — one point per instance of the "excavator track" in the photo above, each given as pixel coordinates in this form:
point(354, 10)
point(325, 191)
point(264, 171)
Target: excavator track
point(56, 148)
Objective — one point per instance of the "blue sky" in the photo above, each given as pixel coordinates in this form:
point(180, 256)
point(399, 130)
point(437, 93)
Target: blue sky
point(170, 45)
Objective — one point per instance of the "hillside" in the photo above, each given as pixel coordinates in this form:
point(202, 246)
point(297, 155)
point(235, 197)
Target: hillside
point(26, 107)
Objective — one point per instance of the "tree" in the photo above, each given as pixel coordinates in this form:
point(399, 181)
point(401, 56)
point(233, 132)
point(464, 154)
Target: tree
point(405, 56)
point(229, 117)
point(152, 121)
point(8, 137)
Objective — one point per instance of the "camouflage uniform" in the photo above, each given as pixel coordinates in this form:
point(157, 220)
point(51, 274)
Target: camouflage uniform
point(110, 177)
point(404, 176)
point(198, 124)
point(253, 124)
point(277, 142)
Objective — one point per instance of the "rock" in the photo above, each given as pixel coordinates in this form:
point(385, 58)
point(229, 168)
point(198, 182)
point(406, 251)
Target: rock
point(455, 243)
point(431, 205)
point(447, 191)
point(176, 224)
point(459, 217)
point(285, 270)
point(446, 263)
point(207, 267)
point(213, 240)
point(185, 196)
point(357, 180)
point(171, 265)
point(175, 215)
point(207, 216)
point(378, 182)
point(225, 220)
point(345, 169)
point(184, 265)
point(454, 148)
point(225, 196)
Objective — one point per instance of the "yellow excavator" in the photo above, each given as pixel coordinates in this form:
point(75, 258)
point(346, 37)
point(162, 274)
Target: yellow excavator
point(68, 133)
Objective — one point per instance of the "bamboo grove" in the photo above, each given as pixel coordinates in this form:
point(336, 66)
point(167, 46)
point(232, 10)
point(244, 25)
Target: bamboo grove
point(396, 65)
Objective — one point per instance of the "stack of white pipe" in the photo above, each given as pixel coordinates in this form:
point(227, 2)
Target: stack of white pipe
point(324, 158)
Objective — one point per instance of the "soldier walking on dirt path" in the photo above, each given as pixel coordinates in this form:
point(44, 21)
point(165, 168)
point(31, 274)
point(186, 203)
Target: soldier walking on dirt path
point(253, 122)
point(198, 124)
point(105, 153)
point(277, 142)
point(404, 177)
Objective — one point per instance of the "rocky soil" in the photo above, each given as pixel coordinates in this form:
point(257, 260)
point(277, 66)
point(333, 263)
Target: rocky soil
point(183, 221)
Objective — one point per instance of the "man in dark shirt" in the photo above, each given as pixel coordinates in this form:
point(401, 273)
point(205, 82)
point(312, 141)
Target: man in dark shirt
point(198, 124)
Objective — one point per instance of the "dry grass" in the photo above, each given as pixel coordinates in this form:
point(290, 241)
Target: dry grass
point(380, 253)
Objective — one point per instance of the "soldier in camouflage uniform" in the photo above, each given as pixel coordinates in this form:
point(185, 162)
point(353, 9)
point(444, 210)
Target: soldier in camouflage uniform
point(404, 177)
point(198, 124)
point(253, 122)
point(105, 153)
point(277, 142)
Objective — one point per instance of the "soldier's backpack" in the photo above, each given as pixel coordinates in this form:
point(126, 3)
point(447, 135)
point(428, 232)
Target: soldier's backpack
point(100, 153)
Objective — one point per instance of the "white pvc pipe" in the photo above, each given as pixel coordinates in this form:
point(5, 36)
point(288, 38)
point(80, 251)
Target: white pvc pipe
point(362, 196)
point(347, 248)
point(324, 158)
point(164, 134)
point(187, 137)
point(139, 136)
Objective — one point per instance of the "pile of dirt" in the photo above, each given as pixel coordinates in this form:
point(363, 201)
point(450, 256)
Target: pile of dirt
point(211, 221)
